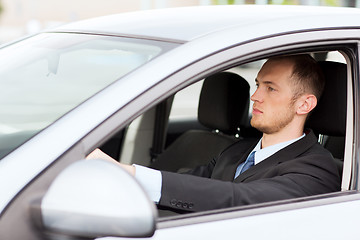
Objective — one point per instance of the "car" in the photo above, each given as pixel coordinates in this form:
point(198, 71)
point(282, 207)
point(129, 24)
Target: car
point(110, 83)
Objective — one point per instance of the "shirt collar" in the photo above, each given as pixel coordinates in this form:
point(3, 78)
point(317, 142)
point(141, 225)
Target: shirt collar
point(263, 153)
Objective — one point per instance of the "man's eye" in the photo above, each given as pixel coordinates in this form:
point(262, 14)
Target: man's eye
point(271, 89)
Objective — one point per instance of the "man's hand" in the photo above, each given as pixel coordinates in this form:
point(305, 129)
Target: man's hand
point(98, 154)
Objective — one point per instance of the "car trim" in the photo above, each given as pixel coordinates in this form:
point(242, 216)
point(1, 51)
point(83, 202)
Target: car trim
point(109, 34)
point(257, 209)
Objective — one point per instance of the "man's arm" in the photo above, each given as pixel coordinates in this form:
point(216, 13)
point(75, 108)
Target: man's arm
point(297, 178)
point(149, 179)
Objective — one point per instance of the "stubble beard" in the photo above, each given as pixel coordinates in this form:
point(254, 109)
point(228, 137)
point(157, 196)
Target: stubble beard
point(277, 123)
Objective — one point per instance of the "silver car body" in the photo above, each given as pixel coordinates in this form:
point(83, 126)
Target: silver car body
point(208, 38)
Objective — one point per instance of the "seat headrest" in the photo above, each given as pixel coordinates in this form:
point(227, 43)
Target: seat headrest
point(224, 102)
point(329, 116)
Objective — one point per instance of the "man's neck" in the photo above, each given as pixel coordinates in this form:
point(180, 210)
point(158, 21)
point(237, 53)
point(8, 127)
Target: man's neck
point(278, 137)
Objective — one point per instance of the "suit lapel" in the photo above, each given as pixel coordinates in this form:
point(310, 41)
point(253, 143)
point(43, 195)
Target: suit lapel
point(228, 161)
point(285, 154)
point(230, 169)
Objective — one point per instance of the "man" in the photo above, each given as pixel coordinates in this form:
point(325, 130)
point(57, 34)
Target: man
point(288, 161)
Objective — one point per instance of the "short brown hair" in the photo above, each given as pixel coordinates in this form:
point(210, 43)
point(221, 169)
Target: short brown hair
point(307, 76)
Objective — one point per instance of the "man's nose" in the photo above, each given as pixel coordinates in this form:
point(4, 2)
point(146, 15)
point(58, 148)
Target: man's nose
point(256, 97)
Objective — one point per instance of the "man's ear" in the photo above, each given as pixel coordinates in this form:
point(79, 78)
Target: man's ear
point(307, 104)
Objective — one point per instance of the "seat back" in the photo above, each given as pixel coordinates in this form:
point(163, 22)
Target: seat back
point(223, 108)
point(329, 117)
point(224, 102)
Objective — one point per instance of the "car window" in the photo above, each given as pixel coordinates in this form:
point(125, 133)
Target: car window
point(185, 103)
point(185, 106)
point(46, 76)
point(184, 114)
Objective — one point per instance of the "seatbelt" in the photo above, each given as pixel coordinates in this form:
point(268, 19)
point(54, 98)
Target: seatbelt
point(162, 113)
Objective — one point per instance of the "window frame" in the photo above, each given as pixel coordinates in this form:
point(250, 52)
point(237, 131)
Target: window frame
point(264, 48)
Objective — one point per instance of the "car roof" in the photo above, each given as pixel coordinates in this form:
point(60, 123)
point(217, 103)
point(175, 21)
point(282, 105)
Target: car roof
point(188, 23)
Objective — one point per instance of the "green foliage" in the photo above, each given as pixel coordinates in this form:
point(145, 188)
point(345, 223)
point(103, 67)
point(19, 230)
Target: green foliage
point(331, 3)
point(283, 2)
point(298, 2)
point(228, 2)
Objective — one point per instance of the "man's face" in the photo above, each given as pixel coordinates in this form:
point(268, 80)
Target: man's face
point(273, 107)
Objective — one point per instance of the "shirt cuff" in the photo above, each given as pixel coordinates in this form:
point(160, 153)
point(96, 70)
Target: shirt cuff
point(151, 180)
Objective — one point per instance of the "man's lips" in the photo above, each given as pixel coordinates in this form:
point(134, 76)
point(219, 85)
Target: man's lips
point(256, 111)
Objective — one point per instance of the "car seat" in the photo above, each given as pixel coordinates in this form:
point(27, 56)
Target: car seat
point(224, 109)
point(328, 119)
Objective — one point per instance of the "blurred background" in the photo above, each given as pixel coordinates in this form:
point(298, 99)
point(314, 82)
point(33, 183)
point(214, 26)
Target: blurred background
point(22, 17)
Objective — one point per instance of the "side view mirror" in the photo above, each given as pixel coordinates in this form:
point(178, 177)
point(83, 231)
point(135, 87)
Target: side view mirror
point(95, 198)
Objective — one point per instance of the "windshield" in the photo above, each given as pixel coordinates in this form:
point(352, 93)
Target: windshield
point(45, 76)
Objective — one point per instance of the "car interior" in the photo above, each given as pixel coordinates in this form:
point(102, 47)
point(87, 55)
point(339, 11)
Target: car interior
point(221, 113)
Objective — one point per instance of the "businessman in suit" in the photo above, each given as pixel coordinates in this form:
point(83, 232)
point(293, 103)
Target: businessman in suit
point(287, 162)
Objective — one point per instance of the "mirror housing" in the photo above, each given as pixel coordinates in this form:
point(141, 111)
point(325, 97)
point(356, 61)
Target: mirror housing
point(96, 198)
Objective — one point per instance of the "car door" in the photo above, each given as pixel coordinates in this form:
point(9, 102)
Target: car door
point(318, 212)
point(310, 217)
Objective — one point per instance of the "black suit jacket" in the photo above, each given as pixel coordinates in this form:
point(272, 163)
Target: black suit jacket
point(301, 169)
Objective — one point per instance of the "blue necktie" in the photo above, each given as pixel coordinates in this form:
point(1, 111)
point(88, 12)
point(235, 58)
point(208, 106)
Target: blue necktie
point(248, 164)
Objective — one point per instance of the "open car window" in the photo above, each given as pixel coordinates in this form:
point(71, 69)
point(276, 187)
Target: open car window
point(183, 117)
